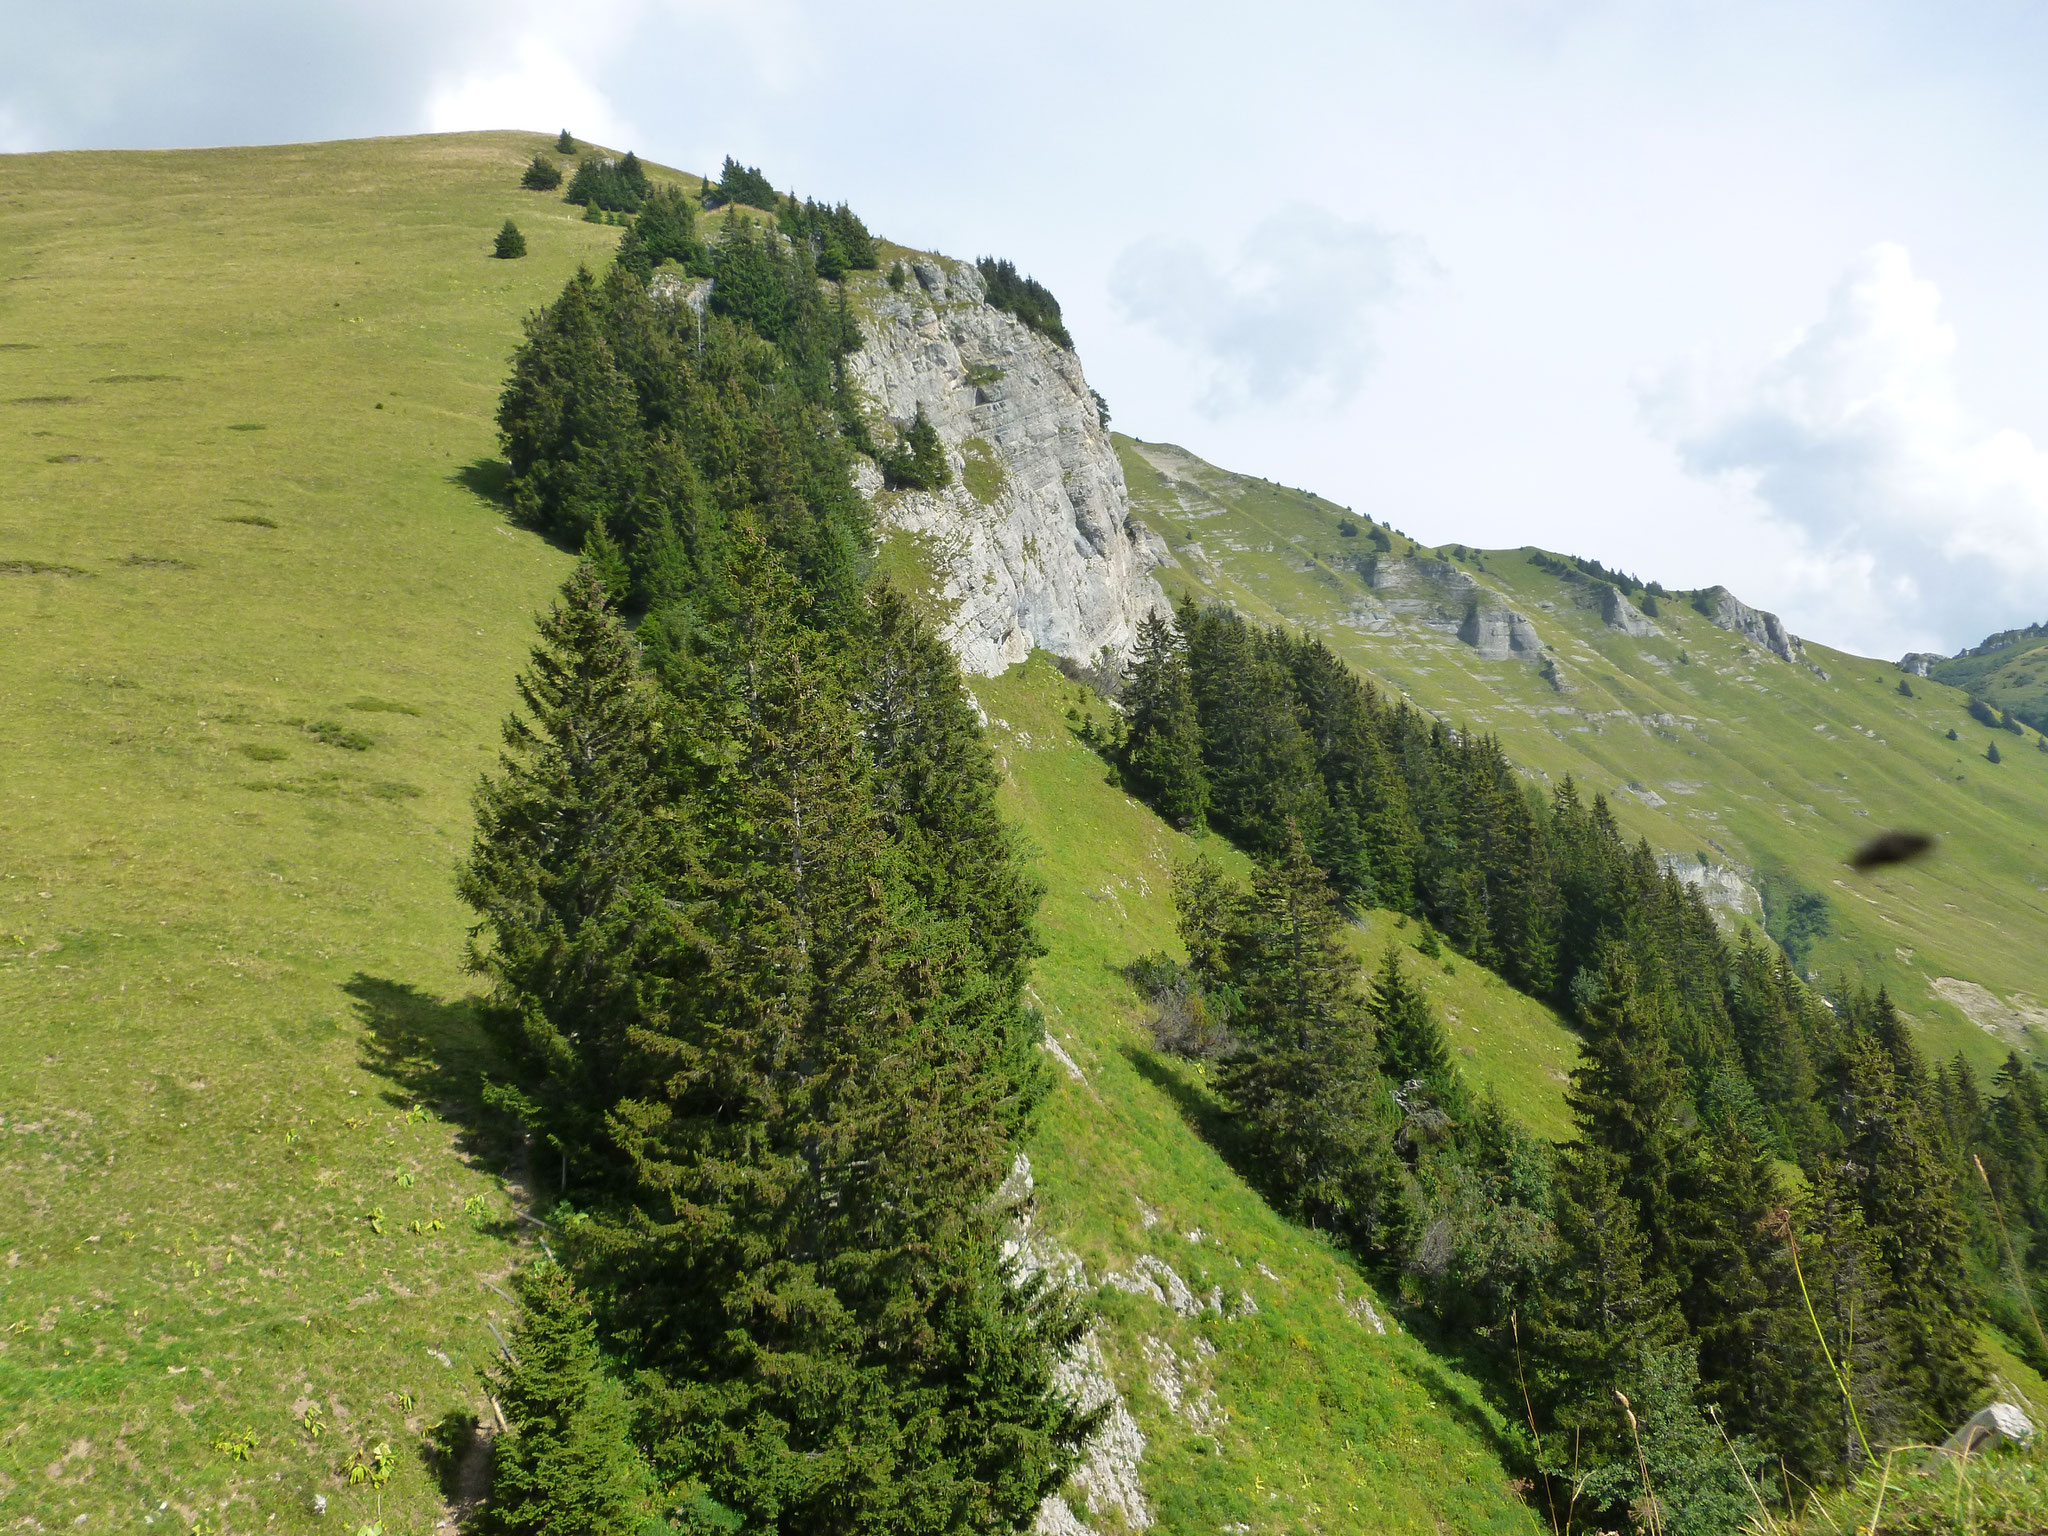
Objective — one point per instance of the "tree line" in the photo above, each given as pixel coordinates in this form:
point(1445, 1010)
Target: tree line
point(757, 940)
point(1664, 1252)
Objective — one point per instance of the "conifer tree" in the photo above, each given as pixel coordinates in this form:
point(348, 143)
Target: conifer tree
point(564, 145)
point(541, 175)
point(822, 1113)
point(509, 245)
point(1306, 1082)
point(568, 1467)
point(919, 462)
point(569, 836)
point(1162, 750)
point(1905, 1193)
point(1411, 1041)
point(1627, 1099)
point(568, 419)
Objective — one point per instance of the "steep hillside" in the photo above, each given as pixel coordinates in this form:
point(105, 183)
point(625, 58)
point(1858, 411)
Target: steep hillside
point(261, 613)
point(1754, 762)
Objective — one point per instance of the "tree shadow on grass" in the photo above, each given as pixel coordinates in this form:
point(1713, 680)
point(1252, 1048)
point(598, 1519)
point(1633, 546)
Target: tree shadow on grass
point(432, 1053)
point(1203, 1112)
point(490, 481)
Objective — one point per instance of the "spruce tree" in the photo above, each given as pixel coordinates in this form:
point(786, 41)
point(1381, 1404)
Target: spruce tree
point(1306, 1083)
point(1626, 1098)
point(568, 1467)
point(825, 1105)
point(509, 245)
point(1905, 1194)
point(563, 873)
point(541, 175)
point(569, 421)
point(1411, 1041)
point(564, 145)
point(1162, 748)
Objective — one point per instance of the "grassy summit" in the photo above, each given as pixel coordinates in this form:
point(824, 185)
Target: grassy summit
point(261, 614)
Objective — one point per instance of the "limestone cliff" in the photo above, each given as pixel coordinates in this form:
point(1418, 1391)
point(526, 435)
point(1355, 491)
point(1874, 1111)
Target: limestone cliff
point(1753, 624)
point(1032, 545)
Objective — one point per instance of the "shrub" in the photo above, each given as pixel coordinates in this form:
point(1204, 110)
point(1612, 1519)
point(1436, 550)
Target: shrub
point(543, 175)
point(1026, 298)
point(564, 145)
point(898, 276)
point(1905, 689)
point(1651, 607)
point(1347, 529)
point(1991, 753)
point(1952, 734)
point(1983, 713)
point(510, 244)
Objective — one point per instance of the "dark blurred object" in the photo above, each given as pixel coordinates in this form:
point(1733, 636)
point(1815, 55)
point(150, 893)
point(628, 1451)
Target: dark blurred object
point(1889, 848)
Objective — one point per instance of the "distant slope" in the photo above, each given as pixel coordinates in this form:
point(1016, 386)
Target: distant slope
point(259, 620)
point(1708, 744)
point(2009, 670)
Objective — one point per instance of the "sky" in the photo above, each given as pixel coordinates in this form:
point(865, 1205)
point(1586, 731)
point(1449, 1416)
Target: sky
point(1748, 293)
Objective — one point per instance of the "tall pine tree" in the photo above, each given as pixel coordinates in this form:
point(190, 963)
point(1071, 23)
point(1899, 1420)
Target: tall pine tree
point(1162, 747)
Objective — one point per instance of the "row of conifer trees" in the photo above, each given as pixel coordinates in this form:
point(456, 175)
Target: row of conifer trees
point(1664, 1252)
point(757, 940)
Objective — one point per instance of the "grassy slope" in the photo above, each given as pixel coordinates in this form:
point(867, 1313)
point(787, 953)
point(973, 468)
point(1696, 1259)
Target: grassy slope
point(1330, 1427)
point(218, 934)
point(1755, 762)
point(229, 951)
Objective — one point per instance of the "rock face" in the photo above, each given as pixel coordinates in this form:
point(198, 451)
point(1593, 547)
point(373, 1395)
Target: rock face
point(1438, 594)
point(1617, 612)
point(1497, 633)
point(1032, 544)
point(1919, 663)
point(1753, 624)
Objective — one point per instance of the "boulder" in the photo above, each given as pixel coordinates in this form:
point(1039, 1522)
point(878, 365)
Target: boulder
point(1989, 1428)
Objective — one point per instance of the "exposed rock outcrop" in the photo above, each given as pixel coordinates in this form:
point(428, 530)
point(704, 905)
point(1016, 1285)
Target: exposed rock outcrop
point(1753, 624)
point(1032, 544)
point(1919, 663)
point(1498, 633)
point(1722, 888)
point(1617, 612)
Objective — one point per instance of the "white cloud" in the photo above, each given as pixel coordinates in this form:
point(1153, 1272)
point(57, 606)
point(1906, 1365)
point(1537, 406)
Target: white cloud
point(1291, 314)
point(1913, 524)
point(535, 85)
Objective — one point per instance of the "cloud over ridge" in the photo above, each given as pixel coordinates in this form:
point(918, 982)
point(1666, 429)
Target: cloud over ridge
point(1916, 523)
point(1291, 314)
